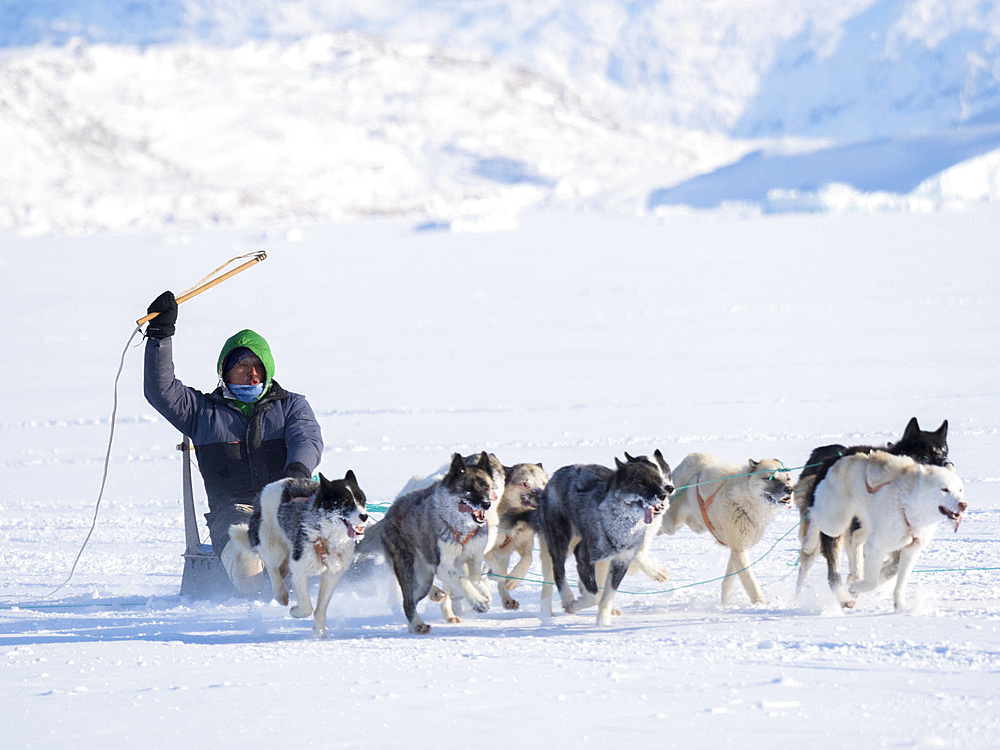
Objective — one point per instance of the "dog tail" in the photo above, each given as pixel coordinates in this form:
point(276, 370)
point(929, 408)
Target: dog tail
point(240, 534)
point(803, 492)
point(371, 544)
point(825, 454)
point(369, 555)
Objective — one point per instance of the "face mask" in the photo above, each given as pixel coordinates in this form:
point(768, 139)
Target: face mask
point(247, 393)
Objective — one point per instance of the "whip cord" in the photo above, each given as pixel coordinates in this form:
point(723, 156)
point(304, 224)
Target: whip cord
point(107, 461)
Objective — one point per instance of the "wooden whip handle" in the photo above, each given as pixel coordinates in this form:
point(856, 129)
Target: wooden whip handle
point(208, 285)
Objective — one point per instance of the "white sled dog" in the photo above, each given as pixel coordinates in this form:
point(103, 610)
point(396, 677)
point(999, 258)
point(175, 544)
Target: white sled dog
point(900, 504)
point(523, 488)
point(305, 528)
point(437, 532)
point(733, 502)
point(601, 515)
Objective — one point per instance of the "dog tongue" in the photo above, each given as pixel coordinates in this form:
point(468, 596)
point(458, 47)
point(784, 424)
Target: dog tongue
point(649, 515)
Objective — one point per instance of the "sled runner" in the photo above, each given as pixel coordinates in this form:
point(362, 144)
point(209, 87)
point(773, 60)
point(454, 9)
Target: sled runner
point(203, 577)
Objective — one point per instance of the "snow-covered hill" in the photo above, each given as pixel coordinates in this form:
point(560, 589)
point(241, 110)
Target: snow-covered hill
point(120, 115)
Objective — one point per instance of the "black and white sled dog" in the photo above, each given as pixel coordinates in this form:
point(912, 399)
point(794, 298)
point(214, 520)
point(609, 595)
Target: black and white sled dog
point(602, 516)
point(923, 446)
point(899, 503)
point(305, 528)
point(437, 532)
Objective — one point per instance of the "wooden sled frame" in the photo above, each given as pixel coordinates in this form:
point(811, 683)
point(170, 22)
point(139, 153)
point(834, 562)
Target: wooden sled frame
point(203, 577)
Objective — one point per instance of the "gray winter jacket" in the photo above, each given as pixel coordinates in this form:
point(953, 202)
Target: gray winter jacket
point(237, 454)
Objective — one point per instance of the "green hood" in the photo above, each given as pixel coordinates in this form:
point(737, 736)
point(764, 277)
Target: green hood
point(255, 343)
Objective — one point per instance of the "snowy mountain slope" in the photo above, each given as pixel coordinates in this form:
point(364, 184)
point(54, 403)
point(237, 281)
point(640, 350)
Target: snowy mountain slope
point(122, 116)
point(885, 166)
point(333, 126)
point(768, 67)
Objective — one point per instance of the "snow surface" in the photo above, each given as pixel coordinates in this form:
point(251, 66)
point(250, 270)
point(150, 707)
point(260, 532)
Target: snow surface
point(553, 230)
point(571, 339)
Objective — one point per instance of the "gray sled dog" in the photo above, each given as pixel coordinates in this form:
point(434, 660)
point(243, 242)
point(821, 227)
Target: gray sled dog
point(733, 502)
point(523, 488)
point(923, 446)
point(439, 531)
point(498, 475)
point(602, 516)
point(305, 528)
point(899, 504)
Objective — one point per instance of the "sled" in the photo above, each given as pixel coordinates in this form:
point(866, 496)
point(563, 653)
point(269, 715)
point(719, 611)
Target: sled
point(203, 577)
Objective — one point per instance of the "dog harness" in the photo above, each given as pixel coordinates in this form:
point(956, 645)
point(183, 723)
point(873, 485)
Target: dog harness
point(704, 504)
point(873, 490)
point(459, 539)
point(463, 539)
point(322, 551)
point(902, 511)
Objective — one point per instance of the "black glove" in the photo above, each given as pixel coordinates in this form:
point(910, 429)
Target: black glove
point(162, 325)
point(297, 471)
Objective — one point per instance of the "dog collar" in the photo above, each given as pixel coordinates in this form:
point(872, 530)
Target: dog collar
point(462, 540)
point(704, 504)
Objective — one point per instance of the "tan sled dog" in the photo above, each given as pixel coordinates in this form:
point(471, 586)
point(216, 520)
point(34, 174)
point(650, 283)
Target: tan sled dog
point(524, 485)
point(735, 503)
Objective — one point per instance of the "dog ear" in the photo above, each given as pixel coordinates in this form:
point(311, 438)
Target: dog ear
point(457, 467)
point(484, 463)
point(753, 464)
point(912, 428)
point(350, 478)
point(942, 431)
point(322, 479)
point(618, 464)
point(629, 458)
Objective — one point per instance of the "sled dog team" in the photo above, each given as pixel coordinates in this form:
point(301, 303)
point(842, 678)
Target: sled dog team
point(443, 532)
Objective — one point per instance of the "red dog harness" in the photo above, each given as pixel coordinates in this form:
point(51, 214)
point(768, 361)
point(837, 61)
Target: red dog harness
point(704, 504)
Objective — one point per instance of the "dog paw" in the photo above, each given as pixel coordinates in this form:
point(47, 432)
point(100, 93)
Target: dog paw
point(436, 595)
point(480, 605)
point(454, 619)
point(509, 603)
point(660, 574)
point(300, 610)
point(319, 633)
point(420, 628)
point(510, 584)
